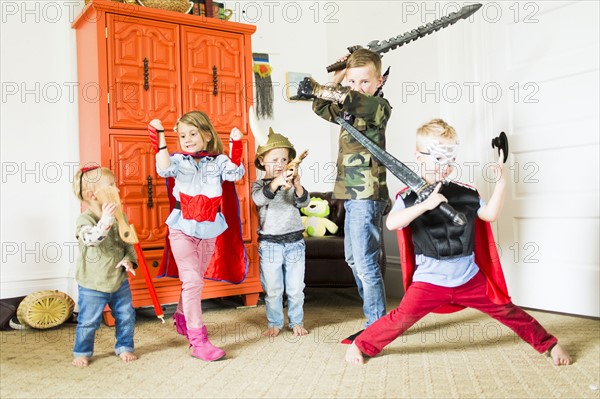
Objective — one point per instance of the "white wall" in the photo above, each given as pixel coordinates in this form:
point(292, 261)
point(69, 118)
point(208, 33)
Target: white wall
point(39, 75)
point(39, 146)
point(276, 23)
point(410, 66)
point(554, 138)
point(39, 134)
point(38, 125)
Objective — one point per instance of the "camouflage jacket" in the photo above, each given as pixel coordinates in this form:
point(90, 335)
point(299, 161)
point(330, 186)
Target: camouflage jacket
point(359, 174)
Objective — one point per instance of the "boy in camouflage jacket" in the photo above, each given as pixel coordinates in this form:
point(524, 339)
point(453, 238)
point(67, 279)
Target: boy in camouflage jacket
point(361, 179)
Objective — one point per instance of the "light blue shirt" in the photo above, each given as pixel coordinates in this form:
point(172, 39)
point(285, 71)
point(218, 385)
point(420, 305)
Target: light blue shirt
point(203, 177)
point(443, 272)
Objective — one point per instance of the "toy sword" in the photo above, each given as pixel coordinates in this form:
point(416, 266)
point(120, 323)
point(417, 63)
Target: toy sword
point(402, 172)
point(407, 37)
point(128, 235)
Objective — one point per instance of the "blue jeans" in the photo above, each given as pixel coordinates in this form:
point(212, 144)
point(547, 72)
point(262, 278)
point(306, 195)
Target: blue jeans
point(362, 243)
point(91, 305)
point(282, 269)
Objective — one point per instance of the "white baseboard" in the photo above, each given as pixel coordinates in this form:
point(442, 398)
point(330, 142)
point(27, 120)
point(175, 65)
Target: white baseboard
point(393, 262)
point(44, 281)
point(393, 277)
point(12, 289)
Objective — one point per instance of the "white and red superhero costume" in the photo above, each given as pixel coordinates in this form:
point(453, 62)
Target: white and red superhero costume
point(486, 258)
point(204, 204)
point(432, 232)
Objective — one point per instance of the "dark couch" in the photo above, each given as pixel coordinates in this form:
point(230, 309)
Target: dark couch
point(325, 262)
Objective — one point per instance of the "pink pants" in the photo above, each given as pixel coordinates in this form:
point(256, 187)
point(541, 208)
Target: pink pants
point(423, 298)
point(192, 256)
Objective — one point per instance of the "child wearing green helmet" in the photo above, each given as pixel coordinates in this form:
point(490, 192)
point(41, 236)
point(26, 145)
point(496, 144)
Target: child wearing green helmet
point(278, 196)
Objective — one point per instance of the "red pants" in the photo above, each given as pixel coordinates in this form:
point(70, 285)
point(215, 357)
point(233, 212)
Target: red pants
point(423, 298)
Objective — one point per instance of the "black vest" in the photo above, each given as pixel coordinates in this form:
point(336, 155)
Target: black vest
point(434, 235)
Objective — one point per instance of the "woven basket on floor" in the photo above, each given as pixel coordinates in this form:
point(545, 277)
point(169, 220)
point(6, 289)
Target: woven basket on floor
point(45, 309)
point(183, 6)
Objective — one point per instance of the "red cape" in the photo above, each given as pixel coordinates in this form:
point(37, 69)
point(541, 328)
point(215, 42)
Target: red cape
point(229, 262)
point(486, 257)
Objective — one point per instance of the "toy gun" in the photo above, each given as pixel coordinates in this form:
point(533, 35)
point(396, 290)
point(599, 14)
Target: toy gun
point(294, 163)
point(415, 34)
point(402, 172)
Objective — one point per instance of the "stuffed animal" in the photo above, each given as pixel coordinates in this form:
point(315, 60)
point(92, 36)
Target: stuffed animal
point(315, 222)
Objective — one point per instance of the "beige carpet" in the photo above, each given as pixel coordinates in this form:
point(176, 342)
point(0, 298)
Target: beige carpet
point(465, 355)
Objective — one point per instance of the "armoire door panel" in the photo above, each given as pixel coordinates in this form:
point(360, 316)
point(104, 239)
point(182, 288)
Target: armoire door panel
point(142, 191)
point(143, 72)
point(212, 76)
point(228, 111)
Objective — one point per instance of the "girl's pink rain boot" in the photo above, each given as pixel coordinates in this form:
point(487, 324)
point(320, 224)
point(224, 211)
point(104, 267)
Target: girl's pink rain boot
point(180, 324)
point(202, 348)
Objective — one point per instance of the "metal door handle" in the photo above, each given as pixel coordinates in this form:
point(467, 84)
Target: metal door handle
point(215, 81)
point(150, 203)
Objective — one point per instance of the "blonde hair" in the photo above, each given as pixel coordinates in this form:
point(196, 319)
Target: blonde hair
point(86, 179)
point(202, 123)
point(435, 129)
point(363, 57)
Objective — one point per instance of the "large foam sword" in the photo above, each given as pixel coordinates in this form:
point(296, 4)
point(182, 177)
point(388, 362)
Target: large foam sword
point(384, 46)
point(402, 172)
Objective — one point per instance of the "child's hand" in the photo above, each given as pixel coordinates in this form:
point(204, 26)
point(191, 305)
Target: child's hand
point(127, 265)
point(490, 211)
point(108, 210)
point(501, 162)
point(297, 186)
point(281, 180)
point(157, 124)
point(434, 199)
point(499, 167)
point(236, 134)
point(288, 176)
point(338, 76)
point(235, 146)
point(296, 180)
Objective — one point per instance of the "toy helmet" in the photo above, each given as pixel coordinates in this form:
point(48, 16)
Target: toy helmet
point(275, 140)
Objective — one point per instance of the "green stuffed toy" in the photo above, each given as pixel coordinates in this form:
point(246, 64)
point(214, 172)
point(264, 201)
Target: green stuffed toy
point(315, 222)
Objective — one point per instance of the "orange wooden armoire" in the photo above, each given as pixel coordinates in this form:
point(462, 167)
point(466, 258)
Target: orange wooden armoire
point(137, 63)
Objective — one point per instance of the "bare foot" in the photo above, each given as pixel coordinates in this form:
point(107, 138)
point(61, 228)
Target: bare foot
point(299, 331)
point(354, 355)
point(80, 361)
point(271, 332)
point(560, 356)
point(128, 357)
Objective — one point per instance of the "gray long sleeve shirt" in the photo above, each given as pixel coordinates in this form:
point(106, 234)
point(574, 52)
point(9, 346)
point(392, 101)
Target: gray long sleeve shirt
point(278, 213)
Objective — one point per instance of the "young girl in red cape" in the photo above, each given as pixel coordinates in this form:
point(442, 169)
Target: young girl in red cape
point(204, 239)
